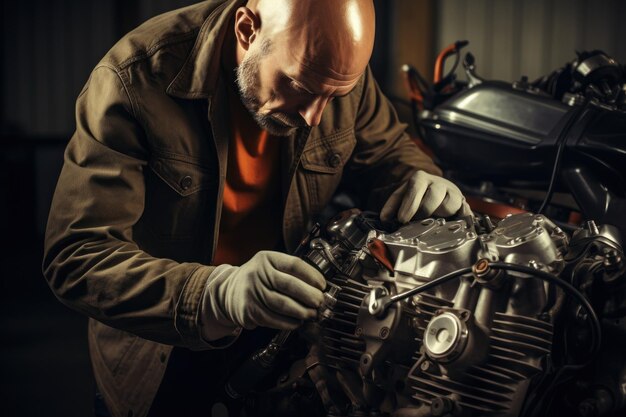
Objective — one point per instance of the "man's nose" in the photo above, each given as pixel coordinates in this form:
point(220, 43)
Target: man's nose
point(312, 112)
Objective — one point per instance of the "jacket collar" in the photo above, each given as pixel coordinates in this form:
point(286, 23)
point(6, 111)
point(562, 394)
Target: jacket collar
point(199, 74)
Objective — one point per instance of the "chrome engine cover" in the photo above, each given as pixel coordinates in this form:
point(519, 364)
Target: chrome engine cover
point(468, 347)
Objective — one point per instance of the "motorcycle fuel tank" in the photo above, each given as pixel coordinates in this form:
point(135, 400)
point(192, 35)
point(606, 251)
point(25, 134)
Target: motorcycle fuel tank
point(496, 129)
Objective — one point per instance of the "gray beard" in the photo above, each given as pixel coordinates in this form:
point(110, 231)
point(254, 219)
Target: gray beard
point(248, 82)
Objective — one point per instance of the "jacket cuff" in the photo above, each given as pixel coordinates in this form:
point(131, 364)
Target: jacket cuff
point(188, 309)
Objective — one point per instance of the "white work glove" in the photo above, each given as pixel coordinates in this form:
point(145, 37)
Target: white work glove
point(272, 290)
point(425, 195)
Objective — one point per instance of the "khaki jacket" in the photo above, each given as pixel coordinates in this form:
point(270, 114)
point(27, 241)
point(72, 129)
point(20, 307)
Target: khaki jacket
point(134, 219)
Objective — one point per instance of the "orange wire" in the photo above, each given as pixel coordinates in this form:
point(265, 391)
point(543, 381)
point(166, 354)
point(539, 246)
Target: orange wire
point(448, 50)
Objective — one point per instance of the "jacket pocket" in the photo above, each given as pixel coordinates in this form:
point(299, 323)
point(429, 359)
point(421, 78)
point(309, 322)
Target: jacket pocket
point(329, 154)
point(177, 198)
point(322, 166)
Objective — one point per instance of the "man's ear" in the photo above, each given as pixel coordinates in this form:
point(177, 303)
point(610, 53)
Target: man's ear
point(247, 24)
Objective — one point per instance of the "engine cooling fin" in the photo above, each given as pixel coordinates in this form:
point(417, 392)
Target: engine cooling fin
point(342, 345)
point(516, 345)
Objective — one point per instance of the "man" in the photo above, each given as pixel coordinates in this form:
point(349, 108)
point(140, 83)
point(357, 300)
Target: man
point(207, 140)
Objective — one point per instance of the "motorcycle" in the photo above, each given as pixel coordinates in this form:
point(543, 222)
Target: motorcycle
point(519, 310)
point(508, 142)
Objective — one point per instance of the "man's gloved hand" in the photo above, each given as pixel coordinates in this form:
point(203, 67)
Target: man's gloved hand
point(425, 195)
point(272, 289)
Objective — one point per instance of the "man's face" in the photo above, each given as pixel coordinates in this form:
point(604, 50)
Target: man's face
point(281, 93)
point(249, 81)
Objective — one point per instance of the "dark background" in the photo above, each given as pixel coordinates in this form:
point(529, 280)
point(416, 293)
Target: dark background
point(47, 51)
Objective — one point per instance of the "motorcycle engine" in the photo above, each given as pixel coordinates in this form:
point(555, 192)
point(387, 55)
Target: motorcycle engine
point(439, 317)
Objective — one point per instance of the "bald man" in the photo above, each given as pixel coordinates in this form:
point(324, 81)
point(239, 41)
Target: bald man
point(208, 140)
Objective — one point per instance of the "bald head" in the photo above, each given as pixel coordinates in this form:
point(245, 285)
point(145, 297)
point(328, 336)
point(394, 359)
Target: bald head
point(323, 46)
point(334, 36)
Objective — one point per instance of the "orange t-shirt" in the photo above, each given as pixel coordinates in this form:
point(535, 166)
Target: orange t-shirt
point(252, 208)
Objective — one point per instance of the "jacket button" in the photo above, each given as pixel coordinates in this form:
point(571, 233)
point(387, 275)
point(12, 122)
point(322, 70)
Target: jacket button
point(334, 160)
point(186, 182)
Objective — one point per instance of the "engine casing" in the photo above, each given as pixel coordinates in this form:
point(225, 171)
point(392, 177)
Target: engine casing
point(468, 347)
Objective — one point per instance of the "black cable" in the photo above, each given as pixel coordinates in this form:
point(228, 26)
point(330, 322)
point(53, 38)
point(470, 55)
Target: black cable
point(458, 45)
point(555, 171)
point(457, 59)
point(596, 328)
point(424, 287)
point(559, 154)
point(536, 407)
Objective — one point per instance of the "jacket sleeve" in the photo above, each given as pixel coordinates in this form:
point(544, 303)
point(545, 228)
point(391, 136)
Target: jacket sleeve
point(384, 156)
point(90, 260)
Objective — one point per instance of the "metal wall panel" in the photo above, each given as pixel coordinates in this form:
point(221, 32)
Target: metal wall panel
point(511, 38)
point(49, 49)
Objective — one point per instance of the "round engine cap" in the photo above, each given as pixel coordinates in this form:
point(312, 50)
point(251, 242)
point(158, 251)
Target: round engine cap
point(445, 336)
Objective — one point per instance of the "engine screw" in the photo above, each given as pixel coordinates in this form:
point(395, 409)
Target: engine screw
point(358, 331)
point(384, 333)
point(426, 366)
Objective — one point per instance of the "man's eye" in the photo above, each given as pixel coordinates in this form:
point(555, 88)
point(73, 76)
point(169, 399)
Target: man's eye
point(295, 86)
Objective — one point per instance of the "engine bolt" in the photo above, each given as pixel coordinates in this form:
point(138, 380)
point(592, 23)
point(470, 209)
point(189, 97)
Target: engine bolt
point(426, 366)
point(358, 331)
point(481, 267)
point(384, 333)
